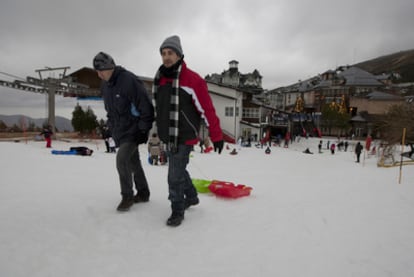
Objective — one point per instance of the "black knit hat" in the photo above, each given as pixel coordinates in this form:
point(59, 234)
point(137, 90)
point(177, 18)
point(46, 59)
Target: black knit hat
point(103, 61)
point(174, 43)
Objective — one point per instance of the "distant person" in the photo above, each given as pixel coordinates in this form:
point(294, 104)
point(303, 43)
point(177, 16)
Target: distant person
point(82, 150)
point(47, 134)
point(287, 139)
point(340, 145)
point(320, 147)
point(333, 148)
point(112, 145)
point(368, 142)
point(307, 151)
point(130, 116)
point(154, 148)
point(240, 142)
point(249, 142)
point(106, 134)
point(201, 144)
point(182, 101)
point(358, 151)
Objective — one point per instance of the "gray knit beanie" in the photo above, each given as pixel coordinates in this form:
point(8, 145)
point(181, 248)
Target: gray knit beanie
point(103, 61)
point(174, 43)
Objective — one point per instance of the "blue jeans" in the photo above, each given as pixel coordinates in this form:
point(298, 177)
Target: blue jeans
point(180, 185)
point(130, 170)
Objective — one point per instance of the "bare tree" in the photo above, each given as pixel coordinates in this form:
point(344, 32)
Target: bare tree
point(397, 118)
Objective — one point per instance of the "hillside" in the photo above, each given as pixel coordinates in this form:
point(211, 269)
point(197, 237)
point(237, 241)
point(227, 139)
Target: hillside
point(62, 123)
point(401, 62)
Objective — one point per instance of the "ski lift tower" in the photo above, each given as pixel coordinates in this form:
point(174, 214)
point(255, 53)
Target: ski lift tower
point(52, 86)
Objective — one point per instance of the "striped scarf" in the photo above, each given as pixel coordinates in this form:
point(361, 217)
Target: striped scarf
point(172, 144)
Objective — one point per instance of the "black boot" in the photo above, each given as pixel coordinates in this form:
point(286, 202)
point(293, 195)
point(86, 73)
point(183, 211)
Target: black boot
point(126, 203)
point(142, 196)
point(175, 219)
point(191, 202)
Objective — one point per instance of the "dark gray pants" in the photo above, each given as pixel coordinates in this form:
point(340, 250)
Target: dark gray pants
point(130, 170)
point(180, 185)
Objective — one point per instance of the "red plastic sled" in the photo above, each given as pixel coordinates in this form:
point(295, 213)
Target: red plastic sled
point(228, 189)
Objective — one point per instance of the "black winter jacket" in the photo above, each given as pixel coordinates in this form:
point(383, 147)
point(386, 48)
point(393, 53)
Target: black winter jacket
point(129, 109)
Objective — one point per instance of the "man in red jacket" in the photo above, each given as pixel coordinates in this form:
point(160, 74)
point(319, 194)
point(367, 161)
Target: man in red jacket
point(181, 101)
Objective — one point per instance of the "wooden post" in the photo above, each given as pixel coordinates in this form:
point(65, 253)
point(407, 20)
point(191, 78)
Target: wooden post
point(402, 150)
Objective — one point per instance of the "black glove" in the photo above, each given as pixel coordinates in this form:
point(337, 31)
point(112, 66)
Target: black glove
point(218, 146)
point(143, 137)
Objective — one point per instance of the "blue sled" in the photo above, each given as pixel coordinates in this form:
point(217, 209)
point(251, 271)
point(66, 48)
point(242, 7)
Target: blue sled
point(63, 152)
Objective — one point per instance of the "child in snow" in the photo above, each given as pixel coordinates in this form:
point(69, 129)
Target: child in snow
point(333, 148)
point(47, 134)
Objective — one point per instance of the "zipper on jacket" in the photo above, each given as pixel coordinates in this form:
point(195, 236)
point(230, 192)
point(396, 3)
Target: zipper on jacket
point(190, 123)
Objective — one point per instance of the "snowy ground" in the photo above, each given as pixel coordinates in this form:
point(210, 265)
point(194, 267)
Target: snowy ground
point(308, 215)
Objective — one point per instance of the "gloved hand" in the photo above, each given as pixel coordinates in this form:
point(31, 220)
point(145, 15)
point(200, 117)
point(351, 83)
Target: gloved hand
point(218, 146)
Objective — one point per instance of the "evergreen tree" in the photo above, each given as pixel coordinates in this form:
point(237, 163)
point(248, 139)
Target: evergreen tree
point(3, 126)
point(90, 121)
point(84, 122)
point(78, 117)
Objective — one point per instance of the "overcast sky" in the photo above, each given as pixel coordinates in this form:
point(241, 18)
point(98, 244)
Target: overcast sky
point(285, 40)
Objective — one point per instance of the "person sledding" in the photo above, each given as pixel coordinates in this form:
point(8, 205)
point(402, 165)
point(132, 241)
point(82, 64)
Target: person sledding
point(82, 151)
point(79, 150)
point(307, 151)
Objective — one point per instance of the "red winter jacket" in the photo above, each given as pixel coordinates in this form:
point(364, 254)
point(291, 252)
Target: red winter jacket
point(195, 105)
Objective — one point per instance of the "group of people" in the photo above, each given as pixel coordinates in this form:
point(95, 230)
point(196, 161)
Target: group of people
point(180, 102)
point(331, 146)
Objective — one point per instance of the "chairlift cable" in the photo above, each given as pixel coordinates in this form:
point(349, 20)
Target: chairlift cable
point(11, 75)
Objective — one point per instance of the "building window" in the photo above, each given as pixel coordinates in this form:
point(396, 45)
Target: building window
point(251, 113)
point(228, 111)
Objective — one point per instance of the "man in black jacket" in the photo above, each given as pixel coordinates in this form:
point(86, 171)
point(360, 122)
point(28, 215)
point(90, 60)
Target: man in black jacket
point(130, 115)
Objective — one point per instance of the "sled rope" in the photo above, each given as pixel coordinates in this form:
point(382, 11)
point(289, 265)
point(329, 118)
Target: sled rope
point(194, 163)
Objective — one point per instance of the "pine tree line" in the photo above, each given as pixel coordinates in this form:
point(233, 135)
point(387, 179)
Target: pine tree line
point(84, 122)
